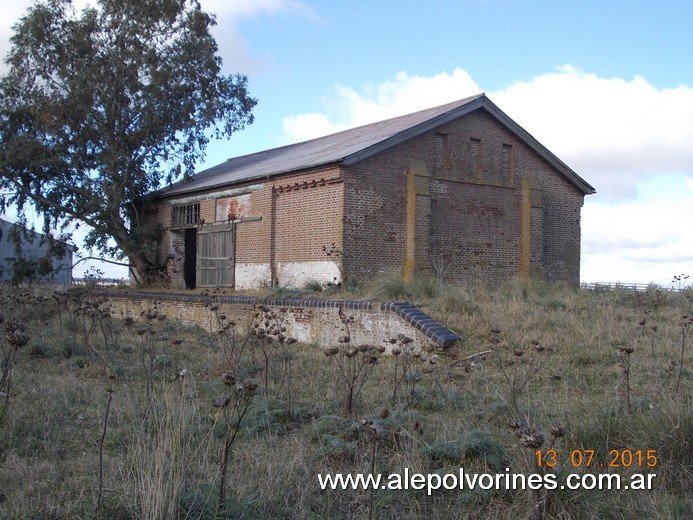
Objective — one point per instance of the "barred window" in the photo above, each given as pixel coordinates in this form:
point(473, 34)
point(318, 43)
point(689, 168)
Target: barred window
point(186, 215)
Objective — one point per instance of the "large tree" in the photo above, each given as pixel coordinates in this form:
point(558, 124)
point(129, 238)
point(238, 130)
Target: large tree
point(102, 106)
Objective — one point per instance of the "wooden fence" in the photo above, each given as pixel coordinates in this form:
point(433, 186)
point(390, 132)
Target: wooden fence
point(633, 287)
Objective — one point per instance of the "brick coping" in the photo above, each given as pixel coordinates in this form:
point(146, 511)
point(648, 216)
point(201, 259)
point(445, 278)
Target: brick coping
point(418, 319)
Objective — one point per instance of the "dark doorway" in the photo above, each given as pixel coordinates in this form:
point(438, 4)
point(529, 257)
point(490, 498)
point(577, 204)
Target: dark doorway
point(190, 261)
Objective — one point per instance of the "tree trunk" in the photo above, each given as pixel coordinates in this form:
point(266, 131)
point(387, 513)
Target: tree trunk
point(144, 271)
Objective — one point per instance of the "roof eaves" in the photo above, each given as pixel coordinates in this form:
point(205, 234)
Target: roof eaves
point(162, 194)
point(469, 105)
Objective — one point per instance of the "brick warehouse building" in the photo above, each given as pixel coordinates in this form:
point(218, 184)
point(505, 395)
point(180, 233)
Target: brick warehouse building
point(459, 190)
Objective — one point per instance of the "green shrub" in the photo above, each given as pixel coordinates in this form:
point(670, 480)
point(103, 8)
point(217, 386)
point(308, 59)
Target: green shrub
point(394, 287)
point(475, 445)
point(456, 300)
point(334, 425)
point(335, 448)
point(390, 287)
point(424, 287)
point(40, 348)
point(313, 285)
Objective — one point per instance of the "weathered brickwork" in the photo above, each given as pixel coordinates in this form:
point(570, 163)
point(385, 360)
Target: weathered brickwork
point(280, 237)
point(467, 200)
point(375, 205)
point(308, 218)
point(480, 224)
point(308, 215)
point(475, 216)
point(315, 322)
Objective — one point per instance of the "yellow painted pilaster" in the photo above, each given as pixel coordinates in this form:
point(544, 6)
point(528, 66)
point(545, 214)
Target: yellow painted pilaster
point(417, 219)
point(525, 231)
point(410, 251)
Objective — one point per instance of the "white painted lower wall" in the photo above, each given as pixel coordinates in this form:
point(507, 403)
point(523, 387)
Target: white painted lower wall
point(290, 274)
point(253, 276)
point(296, 274)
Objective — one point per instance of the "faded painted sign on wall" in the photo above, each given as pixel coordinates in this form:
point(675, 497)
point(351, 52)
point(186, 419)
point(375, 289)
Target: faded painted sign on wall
point(230, 208)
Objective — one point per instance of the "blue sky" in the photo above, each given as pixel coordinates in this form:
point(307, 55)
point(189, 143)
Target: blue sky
point(606, 85)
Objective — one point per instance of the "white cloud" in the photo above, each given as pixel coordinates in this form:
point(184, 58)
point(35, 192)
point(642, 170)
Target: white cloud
point(10, 13)
point(243, 8)
point(629, 139)
point(640, 240)
point(344, 107)
point(236, 53)
point(612, 131)
point(234, 50)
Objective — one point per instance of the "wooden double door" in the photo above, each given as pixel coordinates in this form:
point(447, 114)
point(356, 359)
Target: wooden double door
point(215, 259)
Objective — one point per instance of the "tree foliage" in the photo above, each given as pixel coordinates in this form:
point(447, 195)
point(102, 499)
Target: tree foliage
point(102, 106)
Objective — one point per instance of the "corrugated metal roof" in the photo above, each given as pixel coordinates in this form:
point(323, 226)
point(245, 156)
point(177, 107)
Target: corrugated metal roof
point(34, 247)
point(351, 146)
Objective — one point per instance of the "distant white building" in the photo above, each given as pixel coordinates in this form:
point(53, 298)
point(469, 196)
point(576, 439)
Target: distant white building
point(34, 256)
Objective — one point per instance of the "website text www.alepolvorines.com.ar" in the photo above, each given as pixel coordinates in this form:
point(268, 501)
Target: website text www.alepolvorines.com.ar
point(463, 480)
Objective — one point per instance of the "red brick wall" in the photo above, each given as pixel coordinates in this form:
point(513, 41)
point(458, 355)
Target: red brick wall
point(375, 200)
point(308, 215)
point(481, 225)
point(477, 172)
point(291, 219)
point(253, 238)
point(473, 182)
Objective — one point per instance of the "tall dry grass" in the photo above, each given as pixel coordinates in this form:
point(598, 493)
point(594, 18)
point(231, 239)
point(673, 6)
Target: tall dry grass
point(165, 440)
point(161, 454)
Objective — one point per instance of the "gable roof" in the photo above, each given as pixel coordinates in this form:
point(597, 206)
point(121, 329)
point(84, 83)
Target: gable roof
point(353, 145)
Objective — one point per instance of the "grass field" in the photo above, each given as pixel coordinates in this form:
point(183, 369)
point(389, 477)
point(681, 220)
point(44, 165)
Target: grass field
point(151, 419)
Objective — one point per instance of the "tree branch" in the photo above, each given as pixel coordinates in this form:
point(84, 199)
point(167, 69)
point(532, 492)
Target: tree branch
point(124, 264)
point(63, 209)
